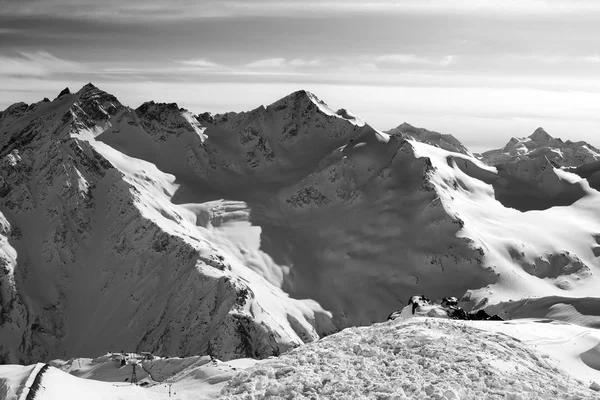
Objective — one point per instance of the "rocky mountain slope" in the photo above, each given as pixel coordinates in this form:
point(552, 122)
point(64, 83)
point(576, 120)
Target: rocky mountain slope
point(246, 234)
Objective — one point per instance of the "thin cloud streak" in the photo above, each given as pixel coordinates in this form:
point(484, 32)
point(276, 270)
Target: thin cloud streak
point(414, 59)
point(280, 62)
point(201, 63)
point(40, 64)
point(351, 71)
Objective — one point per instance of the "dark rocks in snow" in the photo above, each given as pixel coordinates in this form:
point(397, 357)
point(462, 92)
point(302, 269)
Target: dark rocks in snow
point(418, 301)
point(449, 305)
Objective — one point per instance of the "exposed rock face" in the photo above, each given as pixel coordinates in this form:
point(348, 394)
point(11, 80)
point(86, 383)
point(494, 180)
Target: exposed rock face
point(443, 141)
point(242, 234)
point(541, 145)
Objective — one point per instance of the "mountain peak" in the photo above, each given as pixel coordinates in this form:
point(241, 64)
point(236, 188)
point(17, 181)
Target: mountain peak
point(303, 99)
point(540, 135)
point(151, 106)
point(63, 92)
point(444, 141)
point(405, 127)
point(88, 88)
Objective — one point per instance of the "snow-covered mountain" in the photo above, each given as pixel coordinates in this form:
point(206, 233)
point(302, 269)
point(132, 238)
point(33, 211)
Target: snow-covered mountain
point(247, 234)
point(442, 140)
point(541, 145)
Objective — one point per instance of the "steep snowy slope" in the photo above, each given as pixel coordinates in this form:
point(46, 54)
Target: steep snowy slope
point(95, 256)
point(534, 253)
point(590, 172)
point(246, 234)
point(541, 145)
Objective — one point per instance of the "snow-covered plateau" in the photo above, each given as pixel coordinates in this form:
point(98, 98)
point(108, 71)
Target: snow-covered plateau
point(277, 233)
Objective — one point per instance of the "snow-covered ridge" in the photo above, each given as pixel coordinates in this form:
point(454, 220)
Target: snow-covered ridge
point(247, 234)
point(444, 141)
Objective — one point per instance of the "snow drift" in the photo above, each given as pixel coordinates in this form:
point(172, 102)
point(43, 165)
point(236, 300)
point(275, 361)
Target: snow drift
point(415, 359)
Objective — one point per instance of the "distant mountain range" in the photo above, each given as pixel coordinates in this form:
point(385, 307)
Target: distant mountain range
point(247, 234)
point(541, 145)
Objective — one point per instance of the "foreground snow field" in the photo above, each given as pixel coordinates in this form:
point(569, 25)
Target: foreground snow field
point(418, 358)
point(414, 359)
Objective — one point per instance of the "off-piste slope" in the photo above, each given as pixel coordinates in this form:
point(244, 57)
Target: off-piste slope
point(540, 144)
point(245, 234)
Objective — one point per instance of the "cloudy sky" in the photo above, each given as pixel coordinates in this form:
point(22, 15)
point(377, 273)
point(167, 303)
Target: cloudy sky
point(482, 70)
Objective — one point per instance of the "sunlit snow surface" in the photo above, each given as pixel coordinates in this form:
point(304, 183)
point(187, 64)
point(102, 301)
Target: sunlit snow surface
point(422, 359)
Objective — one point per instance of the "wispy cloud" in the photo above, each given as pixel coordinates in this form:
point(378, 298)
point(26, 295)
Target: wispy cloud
point(414, 59)
point(268, 63)
point(40, 64)
point(200, 63)
point(300, 62)
point(280, 62)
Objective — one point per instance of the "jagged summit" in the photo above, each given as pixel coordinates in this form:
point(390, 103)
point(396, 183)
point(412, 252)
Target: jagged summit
point(541, 144)
point(444, 141)
point(87, 86)
point(63, 92)
point(304, 100)
point(152, 105)
point(540, 135)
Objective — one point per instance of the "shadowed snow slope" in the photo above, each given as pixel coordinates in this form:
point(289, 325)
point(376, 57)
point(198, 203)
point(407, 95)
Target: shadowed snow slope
point(247, 234)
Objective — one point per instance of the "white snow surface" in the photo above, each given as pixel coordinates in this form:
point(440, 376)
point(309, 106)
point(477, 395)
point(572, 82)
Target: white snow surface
point(413, 358)
point(13, 379)
point(519, 245)
point(419, 358)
